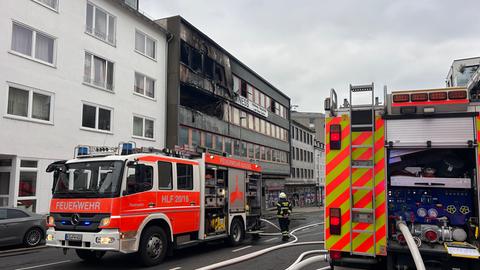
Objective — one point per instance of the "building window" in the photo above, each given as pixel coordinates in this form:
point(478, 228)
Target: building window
point(100, 24)
point(244, 149)
point(196, 138)
point(235, 116)
point(257, 124)
point(27, 186)
point(145, 45)
point(98, 71)
point(143, 127)
point(132, 3)
point(236, 148)
point(144, 85)
point(33, 44)
point(30, 104)
point(243, 119)
point(183, 136)
point(96, 117)
point(251, 124)
point(51, 4)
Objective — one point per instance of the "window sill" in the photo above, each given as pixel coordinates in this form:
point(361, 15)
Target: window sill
point(96, 130)
point(101, 39)
point(151, 58)
point(99, 87)
point(26, 119)
point(47, 6)
point(144, 96)
point(143, 138)
point(32, 59)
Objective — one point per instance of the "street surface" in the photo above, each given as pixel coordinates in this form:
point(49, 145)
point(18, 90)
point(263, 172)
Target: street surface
point(188, 258)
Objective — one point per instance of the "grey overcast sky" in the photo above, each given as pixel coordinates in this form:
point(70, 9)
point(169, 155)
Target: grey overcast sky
point(306, 47)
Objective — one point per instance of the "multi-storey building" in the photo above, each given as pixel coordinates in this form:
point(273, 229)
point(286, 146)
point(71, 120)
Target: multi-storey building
point(461, 71)
point(313, 120)
point(74, 72)
point(217, 102)
point(302, 186)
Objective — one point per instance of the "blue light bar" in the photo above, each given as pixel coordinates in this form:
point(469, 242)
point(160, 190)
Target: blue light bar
point(82, 151)
point(127, 148)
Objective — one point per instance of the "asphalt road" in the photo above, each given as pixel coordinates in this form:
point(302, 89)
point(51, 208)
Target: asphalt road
point(188, 258)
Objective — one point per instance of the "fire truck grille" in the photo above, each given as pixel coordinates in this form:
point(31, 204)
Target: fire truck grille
point(80, 222)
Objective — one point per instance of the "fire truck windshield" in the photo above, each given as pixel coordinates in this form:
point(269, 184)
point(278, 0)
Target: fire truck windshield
point(92, 179)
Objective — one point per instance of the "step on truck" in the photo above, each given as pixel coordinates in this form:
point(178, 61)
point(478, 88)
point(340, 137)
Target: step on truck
point(137, 200)
point(413, 160)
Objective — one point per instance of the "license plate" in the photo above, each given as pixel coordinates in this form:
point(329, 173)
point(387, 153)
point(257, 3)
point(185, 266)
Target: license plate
point(73, 237)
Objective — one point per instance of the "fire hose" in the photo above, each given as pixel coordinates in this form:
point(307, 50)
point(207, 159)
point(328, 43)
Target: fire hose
point(417, 258)
point(264, 251)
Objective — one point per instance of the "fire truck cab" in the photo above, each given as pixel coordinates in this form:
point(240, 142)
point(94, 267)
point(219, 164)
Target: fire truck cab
point(128, 200)
point(414, 161)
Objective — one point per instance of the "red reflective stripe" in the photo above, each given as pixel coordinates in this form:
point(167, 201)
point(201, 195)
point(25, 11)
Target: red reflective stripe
point(362, 180)
point(340, 199)
point(338, 180)
point(363, 137)
point(364, 201)
point(381, 232)
point(366, 245)
point(337, 160)
point(380, 210)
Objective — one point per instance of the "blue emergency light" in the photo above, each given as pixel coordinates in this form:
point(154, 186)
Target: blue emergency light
point(127, 148)
point(87, 223)
point(82, 151)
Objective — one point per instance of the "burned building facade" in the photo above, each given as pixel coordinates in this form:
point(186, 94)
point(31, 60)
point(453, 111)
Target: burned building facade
point(217, 102)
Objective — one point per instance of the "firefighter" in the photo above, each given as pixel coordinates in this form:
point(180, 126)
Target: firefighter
point(284, 208)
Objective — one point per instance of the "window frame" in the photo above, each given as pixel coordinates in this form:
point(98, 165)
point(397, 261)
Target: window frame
point(92, 72)
point(145, 36)
point(94, 15)
point(31, 91)
point(145, 77)
point(47, 6)
point(177, 176)
point(97, 109)
point(143, 137)
point(34, 41)
point(159, 175)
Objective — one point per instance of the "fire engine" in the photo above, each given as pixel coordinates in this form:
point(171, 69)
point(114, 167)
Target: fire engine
point(402, 177)
point(129, 199)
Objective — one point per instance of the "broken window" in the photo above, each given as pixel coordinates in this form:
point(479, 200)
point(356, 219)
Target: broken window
point(243, 88)
point(208, 66)
point(184, 53)
point(196, 60)
point(220, 74)
point(272, 105)
point(200, 101)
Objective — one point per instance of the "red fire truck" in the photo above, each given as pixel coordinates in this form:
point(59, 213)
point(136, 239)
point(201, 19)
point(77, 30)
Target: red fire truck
point(128, 200)
point(403, 177)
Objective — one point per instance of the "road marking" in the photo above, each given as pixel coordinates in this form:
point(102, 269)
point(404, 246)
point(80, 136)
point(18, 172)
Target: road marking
point(20, 249)
point(271, 239)
point(43, 265)
point(242, 248)
point(176, 268)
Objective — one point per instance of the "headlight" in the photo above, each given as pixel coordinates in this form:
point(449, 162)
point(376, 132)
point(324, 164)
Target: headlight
point(105, 222)
point(50, 221)
point(50, 237)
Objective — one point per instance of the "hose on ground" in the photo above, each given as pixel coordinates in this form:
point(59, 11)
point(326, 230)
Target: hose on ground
point(308, 261)
point(300, 258)
point(264, 251)
point(417, 258)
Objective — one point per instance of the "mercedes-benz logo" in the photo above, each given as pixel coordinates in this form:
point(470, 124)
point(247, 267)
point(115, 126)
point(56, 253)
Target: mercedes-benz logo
point(75, 219)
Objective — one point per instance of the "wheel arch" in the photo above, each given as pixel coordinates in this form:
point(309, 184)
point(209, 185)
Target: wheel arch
point(160, 220)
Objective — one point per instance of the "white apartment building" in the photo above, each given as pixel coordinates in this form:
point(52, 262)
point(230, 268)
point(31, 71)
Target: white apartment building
point(74, 72)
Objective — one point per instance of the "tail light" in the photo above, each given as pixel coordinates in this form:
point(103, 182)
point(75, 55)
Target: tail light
point(437, 96)
point(335, 255)
point(419, 97)
point(431, 236)
point(457, 94)
point(335, 137)
point(335, 221)
point(401, 98)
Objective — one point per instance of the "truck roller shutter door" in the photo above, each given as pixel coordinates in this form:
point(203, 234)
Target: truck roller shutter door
point(441, 132)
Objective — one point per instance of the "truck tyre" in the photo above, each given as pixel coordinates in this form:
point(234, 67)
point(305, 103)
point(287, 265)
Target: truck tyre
point(237, 233)
point(90, 255)
point(153, 246)
point(32, 237)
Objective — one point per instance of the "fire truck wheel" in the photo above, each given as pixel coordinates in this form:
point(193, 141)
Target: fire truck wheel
point(90, 255)
point(153, 246)
point(237, 233)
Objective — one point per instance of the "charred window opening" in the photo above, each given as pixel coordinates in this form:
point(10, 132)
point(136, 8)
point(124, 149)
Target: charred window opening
point(220, 74)
point(184, 53)
point(272, 106)
point(196, 60)
point(243, 88)
point(208, 67)
point(197, 100)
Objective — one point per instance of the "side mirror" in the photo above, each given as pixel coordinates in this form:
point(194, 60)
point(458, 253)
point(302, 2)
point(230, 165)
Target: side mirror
point(328, 104)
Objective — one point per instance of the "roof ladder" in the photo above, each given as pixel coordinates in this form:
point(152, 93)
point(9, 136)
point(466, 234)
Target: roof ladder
point(362, 121)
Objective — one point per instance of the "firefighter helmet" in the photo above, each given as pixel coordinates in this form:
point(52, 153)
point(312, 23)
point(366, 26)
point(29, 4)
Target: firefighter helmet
point(283, 195)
